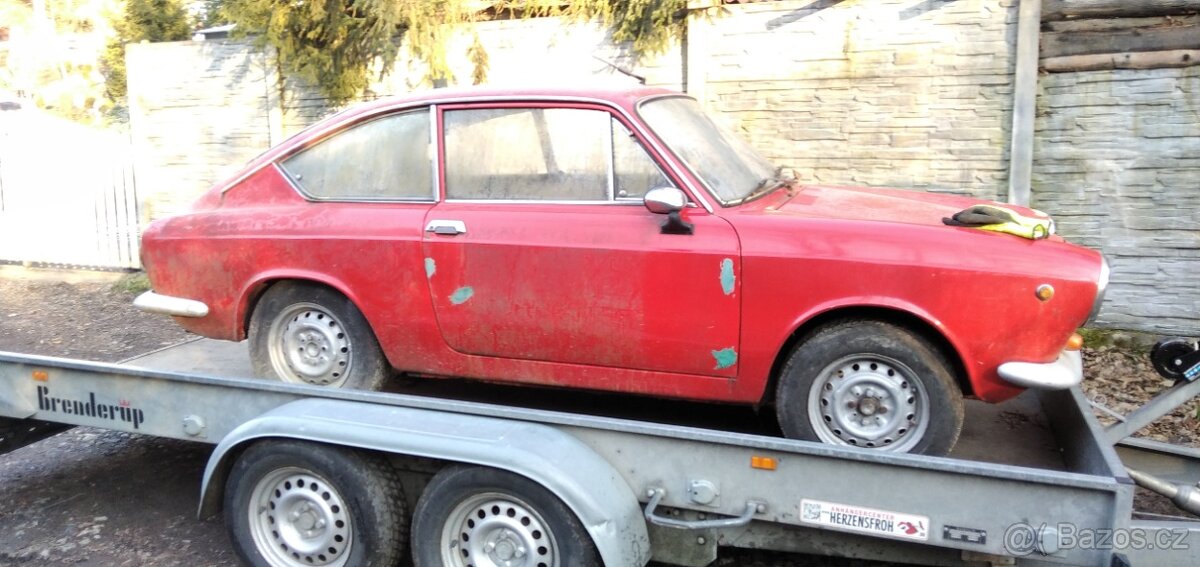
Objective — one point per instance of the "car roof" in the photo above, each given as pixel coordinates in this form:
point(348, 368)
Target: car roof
point(608, 94)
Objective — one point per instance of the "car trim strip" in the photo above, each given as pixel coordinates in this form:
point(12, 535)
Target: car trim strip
point(625, 202)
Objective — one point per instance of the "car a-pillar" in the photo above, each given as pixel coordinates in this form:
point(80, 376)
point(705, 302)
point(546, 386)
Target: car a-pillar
point(290, 503)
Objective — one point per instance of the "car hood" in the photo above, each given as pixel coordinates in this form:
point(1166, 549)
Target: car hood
point(874, 204)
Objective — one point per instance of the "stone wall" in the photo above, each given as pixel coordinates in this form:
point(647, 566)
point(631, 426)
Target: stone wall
point(198, 111)
point(888, 92)
point(1117, 160)
point(201, 109)
point(521, 53)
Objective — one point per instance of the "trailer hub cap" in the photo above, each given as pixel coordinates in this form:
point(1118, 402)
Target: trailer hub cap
point(497, 530)
point(308, 345)
point(869, 401)
point(298, 518)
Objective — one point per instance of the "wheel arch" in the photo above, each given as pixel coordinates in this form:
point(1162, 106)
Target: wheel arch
point(912, 322)
point(590, 487)
point(257, 287)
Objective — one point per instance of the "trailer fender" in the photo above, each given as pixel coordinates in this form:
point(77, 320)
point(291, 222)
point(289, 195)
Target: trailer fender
point(586, 483)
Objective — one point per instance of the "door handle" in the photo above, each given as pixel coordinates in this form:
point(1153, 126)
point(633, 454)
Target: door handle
point(446, 227)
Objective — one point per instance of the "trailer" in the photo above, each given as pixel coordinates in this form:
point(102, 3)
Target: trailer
point(312, 476)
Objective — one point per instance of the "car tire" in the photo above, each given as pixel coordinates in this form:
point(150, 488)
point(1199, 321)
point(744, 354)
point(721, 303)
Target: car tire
point(465, 507)
point(870, 384)
point(310, 334)
point(296, 504)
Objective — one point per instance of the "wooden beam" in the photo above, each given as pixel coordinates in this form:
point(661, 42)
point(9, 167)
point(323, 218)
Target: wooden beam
point(1107, 61)
point(1118, 24)
point(1163, 38)
point(1053, 10)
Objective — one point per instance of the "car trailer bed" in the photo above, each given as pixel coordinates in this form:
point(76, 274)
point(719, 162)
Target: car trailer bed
point(1035, 481)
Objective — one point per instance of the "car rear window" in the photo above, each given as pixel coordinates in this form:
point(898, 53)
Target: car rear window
point(384, 159)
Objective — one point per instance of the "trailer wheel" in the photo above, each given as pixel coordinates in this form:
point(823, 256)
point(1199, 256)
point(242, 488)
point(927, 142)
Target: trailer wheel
point(293, 504)
point(484, 517)
point(309, 334)
point(870, 384)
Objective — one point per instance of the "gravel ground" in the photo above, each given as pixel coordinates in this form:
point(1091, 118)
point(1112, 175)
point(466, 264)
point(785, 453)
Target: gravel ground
point(93, 497)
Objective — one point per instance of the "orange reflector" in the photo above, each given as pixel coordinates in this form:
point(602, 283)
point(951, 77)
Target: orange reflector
point(1075, 342)
point(764, 463)
point(1045, 292)
point(41, 375)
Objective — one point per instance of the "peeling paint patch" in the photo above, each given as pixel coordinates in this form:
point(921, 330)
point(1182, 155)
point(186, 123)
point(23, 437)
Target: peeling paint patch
point(461, 295)
point(430, 267)
point(727, 277)
point(725, 358)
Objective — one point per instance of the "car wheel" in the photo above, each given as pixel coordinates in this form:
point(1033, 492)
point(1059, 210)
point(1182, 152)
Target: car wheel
point(480, 516)
point(294, 504)
point(309, 334)
point(870, 384)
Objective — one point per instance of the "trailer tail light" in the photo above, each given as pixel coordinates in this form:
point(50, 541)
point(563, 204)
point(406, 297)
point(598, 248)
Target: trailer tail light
point(763, 463)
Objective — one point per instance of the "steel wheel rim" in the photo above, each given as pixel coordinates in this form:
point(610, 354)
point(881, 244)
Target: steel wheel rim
point(870, 401)
point(298, 518)
point(497, 530)
point(309, 345)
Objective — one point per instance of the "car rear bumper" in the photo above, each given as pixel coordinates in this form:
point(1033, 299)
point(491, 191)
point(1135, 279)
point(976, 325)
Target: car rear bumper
point(151, 302)
point(1066, 372)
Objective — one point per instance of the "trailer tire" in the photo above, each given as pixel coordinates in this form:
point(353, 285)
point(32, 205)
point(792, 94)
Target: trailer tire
point(293, 504)
point(310, 334)
point(870, 384)
point(465, 510)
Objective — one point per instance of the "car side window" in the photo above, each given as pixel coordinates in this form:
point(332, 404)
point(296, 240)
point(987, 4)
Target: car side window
point(384, 159)
point(527, 154)
point(634, 172)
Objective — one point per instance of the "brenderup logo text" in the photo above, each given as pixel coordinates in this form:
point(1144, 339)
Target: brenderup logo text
point(115, 412)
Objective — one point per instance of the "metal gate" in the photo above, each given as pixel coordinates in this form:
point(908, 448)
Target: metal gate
point(67, 193)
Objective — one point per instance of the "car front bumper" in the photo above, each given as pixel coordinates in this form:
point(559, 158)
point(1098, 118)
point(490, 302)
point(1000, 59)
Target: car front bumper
point(1066, 372)
point(151, 302)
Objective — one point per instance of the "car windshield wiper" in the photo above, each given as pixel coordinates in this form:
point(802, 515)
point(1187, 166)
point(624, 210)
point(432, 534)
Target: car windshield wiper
point(764, 186)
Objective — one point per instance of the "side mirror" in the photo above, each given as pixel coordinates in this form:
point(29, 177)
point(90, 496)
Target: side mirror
point(665, 200)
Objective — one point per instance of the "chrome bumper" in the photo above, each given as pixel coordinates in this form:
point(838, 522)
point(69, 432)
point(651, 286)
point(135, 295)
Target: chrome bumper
point(151, 302)
point(1066, 372)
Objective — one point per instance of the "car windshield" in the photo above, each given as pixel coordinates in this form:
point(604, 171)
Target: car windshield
point(732, 170)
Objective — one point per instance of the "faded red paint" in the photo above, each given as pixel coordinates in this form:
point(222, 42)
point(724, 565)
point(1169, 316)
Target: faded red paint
point(593, 296)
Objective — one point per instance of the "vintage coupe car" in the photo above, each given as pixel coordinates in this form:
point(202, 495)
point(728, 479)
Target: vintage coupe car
point(622, 241)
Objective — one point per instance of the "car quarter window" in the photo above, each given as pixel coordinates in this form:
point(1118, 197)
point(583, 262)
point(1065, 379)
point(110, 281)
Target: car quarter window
point(382, 159)
point(634, 171)
point(558, 154)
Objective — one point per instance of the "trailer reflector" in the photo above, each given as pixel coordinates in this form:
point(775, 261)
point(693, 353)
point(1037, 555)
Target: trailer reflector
point(41, 375)
point(764, 463)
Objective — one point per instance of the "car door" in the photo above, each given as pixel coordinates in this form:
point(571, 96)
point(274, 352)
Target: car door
point(543, 250)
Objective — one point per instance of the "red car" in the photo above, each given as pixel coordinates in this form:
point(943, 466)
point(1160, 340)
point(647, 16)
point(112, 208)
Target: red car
point(622, 241)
